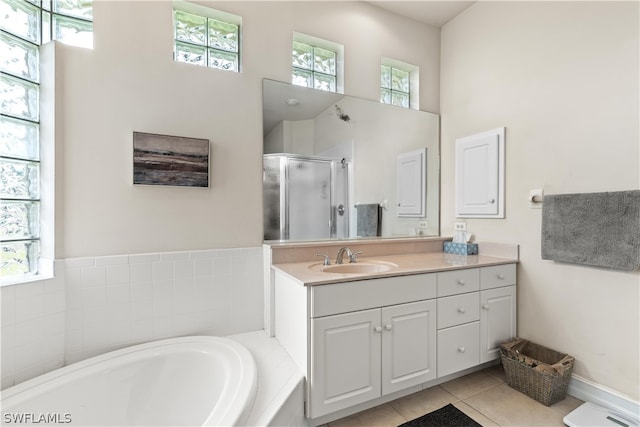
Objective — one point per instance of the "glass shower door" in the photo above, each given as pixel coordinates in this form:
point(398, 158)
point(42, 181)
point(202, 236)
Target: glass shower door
point(309, 199)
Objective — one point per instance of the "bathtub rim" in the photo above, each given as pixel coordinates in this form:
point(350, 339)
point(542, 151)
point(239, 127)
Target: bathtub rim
point(237, 403)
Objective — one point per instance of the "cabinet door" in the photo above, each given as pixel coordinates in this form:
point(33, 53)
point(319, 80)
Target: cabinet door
point(408, 345)
point(411, 183)
point(345, 360)
point(480, 175)
point(497, 320)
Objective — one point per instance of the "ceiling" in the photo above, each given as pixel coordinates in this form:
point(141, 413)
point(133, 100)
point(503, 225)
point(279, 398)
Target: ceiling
point(436, 13)
point(283, 101)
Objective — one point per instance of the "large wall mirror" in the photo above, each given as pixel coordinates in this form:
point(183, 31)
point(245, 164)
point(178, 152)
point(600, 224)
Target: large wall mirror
point(333, 166)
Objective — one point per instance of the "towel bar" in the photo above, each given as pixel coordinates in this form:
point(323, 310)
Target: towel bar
point(536, 199)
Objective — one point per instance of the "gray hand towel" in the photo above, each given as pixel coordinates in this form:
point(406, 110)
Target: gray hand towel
point(369, 220)
point(597, 229)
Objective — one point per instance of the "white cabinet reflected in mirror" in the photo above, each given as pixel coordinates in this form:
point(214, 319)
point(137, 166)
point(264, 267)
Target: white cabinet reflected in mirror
point(359, 141)
point(411, 183)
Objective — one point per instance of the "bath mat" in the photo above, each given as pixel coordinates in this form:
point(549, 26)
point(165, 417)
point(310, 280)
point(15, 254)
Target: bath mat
point(596, 229)
point(447, 416)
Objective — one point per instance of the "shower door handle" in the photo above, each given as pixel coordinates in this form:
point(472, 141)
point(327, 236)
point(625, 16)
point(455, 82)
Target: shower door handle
point(340, 209)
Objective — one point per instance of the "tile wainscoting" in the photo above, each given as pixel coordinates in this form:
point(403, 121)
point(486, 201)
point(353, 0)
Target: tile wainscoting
point(33, 328)
point(98, 304)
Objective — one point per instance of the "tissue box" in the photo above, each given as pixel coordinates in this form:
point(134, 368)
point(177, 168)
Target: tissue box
point(461, 248)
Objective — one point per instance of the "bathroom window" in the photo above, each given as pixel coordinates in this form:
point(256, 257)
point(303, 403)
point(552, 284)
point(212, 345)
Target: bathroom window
point(206, 37)
point(398, 83)
point(25, 26)
point(316, 63)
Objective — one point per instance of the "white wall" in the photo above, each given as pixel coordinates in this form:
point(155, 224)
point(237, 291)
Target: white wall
point(274, 140)
point(129, 82)
point(563, 78)
point(140, 263)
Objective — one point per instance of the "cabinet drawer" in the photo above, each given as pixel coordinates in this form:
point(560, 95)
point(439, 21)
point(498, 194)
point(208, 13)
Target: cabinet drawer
point(458, 309)
point(363, 294)
point(458, 282)
point(458, 348)
point(497, 276)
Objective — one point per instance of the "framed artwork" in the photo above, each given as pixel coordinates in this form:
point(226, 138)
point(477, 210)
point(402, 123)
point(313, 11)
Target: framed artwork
point(170, 160)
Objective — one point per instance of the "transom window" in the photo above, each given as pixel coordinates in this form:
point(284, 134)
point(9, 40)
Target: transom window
point(394, 86)
point(315, 66)
point(207, 41)
point(399, 83)
point(38, 22)
point(317, 63)
point(25, 25)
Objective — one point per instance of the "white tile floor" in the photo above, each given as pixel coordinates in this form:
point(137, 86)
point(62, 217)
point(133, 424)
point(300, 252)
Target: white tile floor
point(484, 396)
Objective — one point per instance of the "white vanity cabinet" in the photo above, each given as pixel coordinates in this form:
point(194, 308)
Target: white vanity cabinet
point(458, 320)
point(498, 317)
point(361, 340)
point(476, 312)
point(366, 354)
point(370, 338)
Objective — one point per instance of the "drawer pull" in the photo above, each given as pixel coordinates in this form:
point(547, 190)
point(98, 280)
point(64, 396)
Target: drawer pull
point(485, 306)
point(461, 310)
point(461, 350)
point(460, 282)
point(377, 329)
point(388, 327)
point(500, 276)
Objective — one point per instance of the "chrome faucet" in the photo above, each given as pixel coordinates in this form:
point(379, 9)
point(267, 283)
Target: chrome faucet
point(341, 253)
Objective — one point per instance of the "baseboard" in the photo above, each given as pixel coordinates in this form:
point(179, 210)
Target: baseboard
point(588, 391)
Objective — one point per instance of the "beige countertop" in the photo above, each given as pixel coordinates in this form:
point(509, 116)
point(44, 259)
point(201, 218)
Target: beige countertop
point(310, 273)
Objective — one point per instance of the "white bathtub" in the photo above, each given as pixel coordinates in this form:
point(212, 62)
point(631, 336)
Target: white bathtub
point(188, 381)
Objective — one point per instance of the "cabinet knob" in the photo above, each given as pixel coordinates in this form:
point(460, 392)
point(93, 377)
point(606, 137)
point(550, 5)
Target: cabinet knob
point(492, 200)
point(461, 310)
point(388, 327)
point(377, 329)
point(461, 349)
point(501, 276)
point(460, 282)
point(485, 306)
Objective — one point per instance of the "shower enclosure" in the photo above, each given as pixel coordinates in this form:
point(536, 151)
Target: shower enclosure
point(305, 197)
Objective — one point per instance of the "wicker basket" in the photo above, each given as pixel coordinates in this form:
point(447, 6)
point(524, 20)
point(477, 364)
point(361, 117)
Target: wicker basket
point(540, 373)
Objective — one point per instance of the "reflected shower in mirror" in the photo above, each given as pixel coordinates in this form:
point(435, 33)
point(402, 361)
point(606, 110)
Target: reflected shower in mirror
point(331, 168)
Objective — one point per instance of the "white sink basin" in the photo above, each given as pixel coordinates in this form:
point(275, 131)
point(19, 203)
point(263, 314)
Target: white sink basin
point(356, 268)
